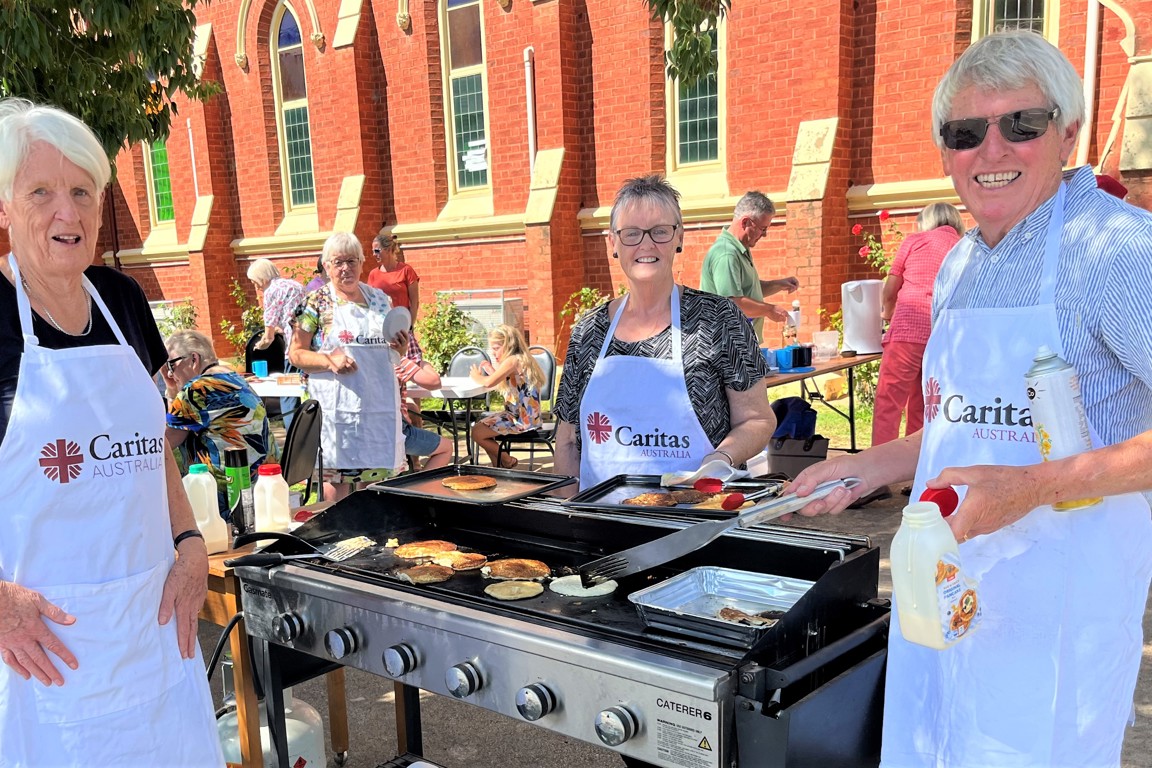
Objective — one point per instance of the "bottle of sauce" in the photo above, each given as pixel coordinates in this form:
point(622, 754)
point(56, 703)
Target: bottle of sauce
point(271, 497)
point(243, 511)
point(1057, 413)
point(201, 489)
point(936, 603)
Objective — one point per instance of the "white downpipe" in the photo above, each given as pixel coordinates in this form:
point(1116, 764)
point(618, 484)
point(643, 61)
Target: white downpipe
point(192, 149)
point(1091, 48)
point(530, 99)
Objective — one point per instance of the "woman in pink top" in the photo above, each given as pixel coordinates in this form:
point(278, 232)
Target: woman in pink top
point(907, 305)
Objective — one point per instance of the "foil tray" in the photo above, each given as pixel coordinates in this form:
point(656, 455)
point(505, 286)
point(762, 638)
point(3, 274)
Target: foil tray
point(690, 603)
point(511, 484)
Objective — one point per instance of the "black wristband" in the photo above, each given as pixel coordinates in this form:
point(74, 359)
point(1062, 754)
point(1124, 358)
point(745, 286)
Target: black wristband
point(191, 533)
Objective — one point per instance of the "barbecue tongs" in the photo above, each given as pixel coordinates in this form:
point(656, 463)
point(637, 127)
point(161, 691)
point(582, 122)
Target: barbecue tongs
point(687, 540)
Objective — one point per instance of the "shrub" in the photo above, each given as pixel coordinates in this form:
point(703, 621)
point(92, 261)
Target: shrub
point(251, 320)
point(180, 316)
point(443, 329)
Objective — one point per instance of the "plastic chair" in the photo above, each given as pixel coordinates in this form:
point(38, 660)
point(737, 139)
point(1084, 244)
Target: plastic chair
point(457, 420)
point(545, 435)
point(302, 452)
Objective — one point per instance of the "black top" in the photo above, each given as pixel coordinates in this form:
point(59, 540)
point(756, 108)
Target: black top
point(126, 301)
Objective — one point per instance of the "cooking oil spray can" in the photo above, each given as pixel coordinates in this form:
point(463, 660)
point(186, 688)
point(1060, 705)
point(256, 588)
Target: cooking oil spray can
point(1057, 413)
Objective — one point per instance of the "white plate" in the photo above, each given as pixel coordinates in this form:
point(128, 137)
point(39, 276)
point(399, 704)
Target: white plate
point(398, 319)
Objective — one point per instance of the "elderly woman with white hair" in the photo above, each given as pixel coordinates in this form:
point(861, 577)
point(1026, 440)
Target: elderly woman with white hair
point(1048, 676)
point(339, 341)
point(282, 299)
point(102, 568)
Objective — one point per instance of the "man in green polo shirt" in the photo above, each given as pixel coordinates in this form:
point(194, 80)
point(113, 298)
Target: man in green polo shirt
point(728, 269)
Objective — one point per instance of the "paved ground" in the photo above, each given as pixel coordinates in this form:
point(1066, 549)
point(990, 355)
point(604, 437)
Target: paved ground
point(462, 736)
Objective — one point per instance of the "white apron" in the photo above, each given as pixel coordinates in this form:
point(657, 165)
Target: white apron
point(636, 416)
point(1047, 678)
point(86, 524)
point(361, 427)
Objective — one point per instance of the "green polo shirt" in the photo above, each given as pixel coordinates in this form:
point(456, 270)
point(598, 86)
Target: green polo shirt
point(728, 271)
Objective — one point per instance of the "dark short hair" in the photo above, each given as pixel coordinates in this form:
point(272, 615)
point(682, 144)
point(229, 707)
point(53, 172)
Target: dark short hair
point(320, 264)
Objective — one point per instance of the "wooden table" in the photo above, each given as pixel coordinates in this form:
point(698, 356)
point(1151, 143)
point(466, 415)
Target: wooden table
point(813, 394)
point(222, 603)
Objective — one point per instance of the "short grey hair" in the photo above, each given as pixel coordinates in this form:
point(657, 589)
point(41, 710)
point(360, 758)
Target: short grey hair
point(341, 244)
point(653, 189)
point(754, 204)
point(940, 215)
point(187, 342)
point(1007, 61)
point(263, 271)
point(23, 123)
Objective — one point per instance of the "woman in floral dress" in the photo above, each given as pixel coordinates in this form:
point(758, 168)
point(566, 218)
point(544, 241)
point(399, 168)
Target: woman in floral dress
point(519, 379)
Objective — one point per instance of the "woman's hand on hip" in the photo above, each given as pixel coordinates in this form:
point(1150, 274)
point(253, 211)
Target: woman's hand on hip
point(184, 593)
point(25, 637)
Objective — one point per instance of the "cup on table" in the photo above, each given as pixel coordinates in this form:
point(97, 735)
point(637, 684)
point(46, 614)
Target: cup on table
point(260, 368)
point(825, 344)
point(784, 358)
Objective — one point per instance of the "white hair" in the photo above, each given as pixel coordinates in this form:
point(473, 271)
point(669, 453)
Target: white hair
point(23, 123)
point(1008, 61)
point(341, 244)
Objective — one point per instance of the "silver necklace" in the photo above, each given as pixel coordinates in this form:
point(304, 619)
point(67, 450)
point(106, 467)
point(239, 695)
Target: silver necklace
point(48, 313)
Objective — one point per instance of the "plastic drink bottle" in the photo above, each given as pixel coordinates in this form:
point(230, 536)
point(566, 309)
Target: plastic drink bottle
point(271, 497)
point(936, 603)
point(792, 325)
point(1057, 413)
point(243, 511)
point(201, 489)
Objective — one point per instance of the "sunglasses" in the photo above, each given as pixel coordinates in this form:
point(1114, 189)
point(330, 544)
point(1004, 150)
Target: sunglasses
point(1016, 127)
point(172, 363)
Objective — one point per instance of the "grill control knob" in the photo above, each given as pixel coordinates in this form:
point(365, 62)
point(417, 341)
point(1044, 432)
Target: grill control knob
point(463, 680)
point(340, 642)
point(616, 725)
point(287, 627)
point(535, 701)
point(399, 660)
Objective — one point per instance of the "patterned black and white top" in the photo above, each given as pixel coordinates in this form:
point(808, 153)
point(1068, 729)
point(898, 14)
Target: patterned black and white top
point(719, 348)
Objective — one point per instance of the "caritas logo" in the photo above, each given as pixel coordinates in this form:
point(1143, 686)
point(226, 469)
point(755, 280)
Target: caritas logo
point(931, 399)
point(599, 428)
point(61, 460)
point(346, 336)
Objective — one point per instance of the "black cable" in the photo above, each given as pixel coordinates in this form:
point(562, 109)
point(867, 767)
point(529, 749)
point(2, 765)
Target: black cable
point(220, 643)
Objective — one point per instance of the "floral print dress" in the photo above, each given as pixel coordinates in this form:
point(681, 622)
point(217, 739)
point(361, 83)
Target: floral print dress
point(521, 412)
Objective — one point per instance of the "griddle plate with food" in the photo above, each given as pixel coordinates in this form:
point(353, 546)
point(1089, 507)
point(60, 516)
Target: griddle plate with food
point(612, 493)
point(510, 485)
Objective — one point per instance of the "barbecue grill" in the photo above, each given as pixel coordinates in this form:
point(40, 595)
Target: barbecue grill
point(806, 691)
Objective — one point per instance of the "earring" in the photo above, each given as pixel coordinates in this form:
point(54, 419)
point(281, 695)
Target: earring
point(679, 249)
point(615, 255)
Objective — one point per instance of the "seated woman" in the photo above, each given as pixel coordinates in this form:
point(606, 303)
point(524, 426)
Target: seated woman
point(665, 378)
point(211, 409)
point(519, 378)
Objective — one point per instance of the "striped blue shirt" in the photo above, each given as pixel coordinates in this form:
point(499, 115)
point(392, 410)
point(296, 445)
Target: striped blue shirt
point(1103, 296)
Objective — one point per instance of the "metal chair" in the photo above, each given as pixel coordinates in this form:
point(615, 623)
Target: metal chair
point(302, 452)
point(452, 418)
point(545, 435)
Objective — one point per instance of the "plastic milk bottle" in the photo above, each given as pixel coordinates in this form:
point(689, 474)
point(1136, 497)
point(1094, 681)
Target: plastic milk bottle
point(936, 603)
point(271, 500)
point(201, 489)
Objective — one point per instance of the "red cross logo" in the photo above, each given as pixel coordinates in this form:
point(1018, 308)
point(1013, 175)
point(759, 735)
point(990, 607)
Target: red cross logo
point(931, 399)
point(61, 460)
point(599, 428)
point(346, 336)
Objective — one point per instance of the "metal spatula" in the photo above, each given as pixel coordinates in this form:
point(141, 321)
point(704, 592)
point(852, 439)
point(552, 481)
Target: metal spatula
point(689, 539)
point(333, 552)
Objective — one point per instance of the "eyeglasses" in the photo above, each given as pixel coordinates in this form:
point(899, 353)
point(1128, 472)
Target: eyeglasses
point(172, 363)
point(660, 234)
point(763, 229)
point(1016, 127)
point(344, 263)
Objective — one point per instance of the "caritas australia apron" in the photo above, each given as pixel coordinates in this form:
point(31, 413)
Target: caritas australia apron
point(86, 525)
point(361, 426)
point(636, 415)
point(1047, 678)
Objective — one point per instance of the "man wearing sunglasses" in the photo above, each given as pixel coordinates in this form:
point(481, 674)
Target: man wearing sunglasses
point(728, 268)
point(1048, 677)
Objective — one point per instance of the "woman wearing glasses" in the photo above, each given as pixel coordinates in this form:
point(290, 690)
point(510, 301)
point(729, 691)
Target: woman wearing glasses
point(665, 378)
point(102, 569)
point(211, 408)
point(1047, 679)
point(339, 341)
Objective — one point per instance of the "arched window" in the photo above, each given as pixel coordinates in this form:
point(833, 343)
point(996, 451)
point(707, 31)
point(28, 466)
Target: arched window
point(998, 15)
point(695, 153)
point(291, 90)
point(462, 41)
point(159, 183)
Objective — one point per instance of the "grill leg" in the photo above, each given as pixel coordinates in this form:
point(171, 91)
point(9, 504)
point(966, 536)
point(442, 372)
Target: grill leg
point(409, 736)
point(273, 700)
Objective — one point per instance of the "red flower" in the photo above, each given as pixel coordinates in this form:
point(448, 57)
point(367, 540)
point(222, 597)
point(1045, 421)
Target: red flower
point(857, 229)
point(863, 251)
point(883, 216)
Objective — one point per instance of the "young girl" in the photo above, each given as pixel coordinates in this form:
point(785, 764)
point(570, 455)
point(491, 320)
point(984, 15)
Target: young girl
point(519, 378)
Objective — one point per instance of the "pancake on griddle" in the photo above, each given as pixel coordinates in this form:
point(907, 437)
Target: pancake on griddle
point(690, 496)
point(460, 561)
point(651, 500)
point(570, 586)
point(514, 590)
point(423, 550)
point(469, 482)
point(516, 569)
point(425, 574)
